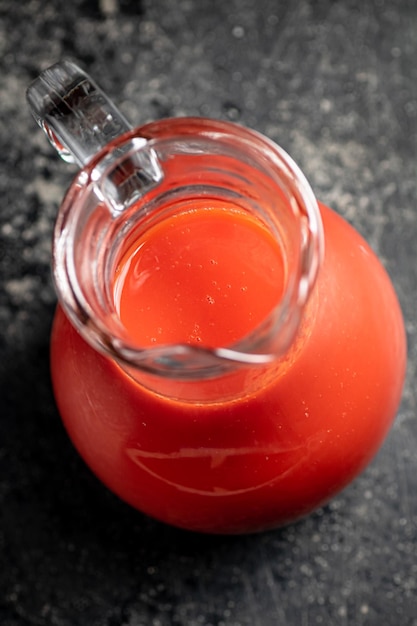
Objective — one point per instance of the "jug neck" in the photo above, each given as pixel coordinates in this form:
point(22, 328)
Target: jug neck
point(202, 160)
point(129, 184)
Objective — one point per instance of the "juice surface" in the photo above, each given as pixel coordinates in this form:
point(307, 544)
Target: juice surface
point(265, 458)
point(208, 275)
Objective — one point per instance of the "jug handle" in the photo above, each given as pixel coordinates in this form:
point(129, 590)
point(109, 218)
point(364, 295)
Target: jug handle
point(80, 120)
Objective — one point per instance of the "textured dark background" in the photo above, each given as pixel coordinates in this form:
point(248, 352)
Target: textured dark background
point(335, 83)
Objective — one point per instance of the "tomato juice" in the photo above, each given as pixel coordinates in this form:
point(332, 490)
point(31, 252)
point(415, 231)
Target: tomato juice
point(309, 425)
point(208, 275)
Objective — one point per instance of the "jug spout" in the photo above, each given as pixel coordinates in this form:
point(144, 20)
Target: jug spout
point(80, 121)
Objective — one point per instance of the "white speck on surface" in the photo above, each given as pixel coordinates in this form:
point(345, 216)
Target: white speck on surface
point(21, 290)
point(109, 7)
point(238, 32)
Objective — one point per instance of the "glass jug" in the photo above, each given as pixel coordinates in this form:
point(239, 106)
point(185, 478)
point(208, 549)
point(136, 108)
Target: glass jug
point(227, 354)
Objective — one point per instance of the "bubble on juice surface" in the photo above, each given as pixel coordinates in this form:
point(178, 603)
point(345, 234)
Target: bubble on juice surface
point(195, 334)
point(210, 299)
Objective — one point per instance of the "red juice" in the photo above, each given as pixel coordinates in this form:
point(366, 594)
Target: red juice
point(207, 275)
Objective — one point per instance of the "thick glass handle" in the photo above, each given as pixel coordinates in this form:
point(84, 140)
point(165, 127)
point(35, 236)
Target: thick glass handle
point(80, 121)
point(78, 118)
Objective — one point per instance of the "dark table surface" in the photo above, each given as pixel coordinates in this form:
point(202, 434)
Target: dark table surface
point(333, 82)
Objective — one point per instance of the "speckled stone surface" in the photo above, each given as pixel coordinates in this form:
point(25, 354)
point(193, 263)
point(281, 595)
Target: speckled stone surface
point(335, 83)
